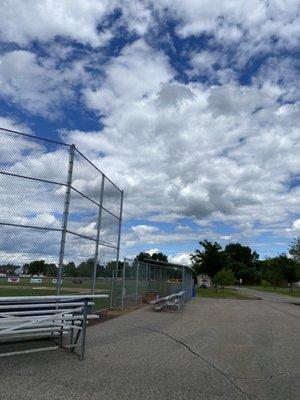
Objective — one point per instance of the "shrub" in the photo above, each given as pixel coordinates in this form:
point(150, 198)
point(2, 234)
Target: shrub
point(265, 283)
point(223, 278)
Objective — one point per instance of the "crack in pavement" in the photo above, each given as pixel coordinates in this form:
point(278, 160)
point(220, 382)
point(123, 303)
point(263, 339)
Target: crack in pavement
point(226, 376)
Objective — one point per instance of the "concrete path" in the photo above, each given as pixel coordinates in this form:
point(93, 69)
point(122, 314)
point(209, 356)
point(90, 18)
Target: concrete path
point(213, 350)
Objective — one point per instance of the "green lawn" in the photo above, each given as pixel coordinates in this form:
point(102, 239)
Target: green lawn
point(67, 282)
point(18, 290)
point(223, 294)
point(280, 290)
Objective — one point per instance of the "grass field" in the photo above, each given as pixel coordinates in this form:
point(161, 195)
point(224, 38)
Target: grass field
point(67, 282)
point(223, 294)
point(25, 288)
point(280, 290)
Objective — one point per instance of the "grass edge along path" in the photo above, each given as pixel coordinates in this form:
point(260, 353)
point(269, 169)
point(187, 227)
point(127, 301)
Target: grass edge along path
point(278, 290)
point(227, 293)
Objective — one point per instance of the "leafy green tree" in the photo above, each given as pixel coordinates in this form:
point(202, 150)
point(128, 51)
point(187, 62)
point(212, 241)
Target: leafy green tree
point(143, 257)
point(36, 267)
point(290, 270)
point(242, 254)
point(86, 268)
point(159, 257)
point(70, 269)
point(243, 262)
point(9, 268)
point(224, 278)
point(210, 260)
point(50, 270)
point(272, 271)
point(112, 266)
point(294, 249)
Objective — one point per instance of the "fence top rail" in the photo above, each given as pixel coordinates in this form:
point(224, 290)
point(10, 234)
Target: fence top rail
point(62, 144)
point(52, 298)
point(35, 137)
point(163, 264)
point(95, 166)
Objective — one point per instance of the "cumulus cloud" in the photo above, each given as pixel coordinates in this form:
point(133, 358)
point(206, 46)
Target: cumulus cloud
point(77, 21)
point(180, 258)
point(202, 151)
point(34, 83)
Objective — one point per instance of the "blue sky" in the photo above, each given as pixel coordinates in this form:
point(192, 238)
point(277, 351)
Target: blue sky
point(191, 107)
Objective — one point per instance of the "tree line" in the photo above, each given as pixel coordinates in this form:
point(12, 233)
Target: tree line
point(237, 263)
point(232, 264)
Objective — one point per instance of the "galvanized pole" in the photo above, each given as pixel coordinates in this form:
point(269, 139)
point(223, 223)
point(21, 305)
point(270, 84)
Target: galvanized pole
point(123, 285)
point(96, 256)
point(120, 227)
point(118, 245)
point(137, 282)
point(183, 281)
point(65, 219)
point(112, 289)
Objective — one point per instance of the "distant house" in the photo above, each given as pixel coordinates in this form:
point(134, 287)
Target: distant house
point(204, 280)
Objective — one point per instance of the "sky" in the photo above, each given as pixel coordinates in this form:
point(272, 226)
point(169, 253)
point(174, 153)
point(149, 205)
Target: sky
point(191, 107)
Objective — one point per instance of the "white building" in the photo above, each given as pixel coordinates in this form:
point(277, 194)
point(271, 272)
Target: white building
point(204, 280)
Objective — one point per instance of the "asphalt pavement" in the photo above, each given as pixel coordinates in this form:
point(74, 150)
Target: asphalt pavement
point(213, 349)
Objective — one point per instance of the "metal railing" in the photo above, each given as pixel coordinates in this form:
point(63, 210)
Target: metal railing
point(55, 205)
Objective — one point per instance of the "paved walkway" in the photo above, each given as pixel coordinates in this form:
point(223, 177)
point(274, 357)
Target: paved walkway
point(213, 350)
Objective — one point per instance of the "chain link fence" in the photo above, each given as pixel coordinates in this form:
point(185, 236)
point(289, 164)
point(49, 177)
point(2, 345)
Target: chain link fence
point(56, 206)
point(135, 282)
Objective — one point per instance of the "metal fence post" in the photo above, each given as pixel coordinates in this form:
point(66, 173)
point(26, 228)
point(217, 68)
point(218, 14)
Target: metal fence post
point(120, 227)
point(112, 289)
point(183, 281)
point(65, 219)
point(123, 285)
point(137, 282)
point(98, 236)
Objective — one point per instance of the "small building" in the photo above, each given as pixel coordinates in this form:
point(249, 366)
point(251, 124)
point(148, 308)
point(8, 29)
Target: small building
point(204, 280)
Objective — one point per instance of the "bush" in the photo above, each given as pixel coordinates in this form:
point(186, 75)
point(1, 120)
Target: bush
point(223, 278)
point(265, 283)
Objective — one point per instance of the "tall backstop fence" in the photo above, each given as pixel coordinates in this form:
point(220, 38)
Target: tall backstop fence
point(57, 206)
point(135, 282)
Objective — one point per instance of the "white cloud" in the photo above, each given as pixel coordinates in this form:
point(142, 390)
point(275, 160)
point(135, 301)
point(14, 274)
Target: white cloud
point(296, 224)
point(11, 124)
point(141, 230)
point(35, 84)
point(225, 237)
point(205, 152)
point(74, 20)
point(152, 251)
point(180, 258)
point(248, 26)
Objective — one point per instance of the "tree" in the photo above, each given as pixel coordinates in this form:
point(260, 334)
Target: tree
point(50, 270)
point(290, 270)
point(36, 267)
point(143, 257)
point(294, 249)
point(224, 278)
point(243, 262)
point(272, 271)
point(70, 269)
point(242, 254)
point(86, 268)
point(210, 260)
point(159, 257)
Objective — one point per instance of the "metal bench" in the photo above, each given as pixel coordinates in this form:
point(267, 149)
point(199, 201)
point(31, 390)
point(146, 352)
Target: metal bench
point(62, 319)
point(175, 300)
